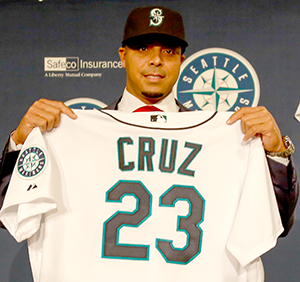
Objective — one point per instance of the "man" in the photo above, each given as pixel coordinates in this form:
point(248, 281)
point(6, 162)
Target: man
point(152, 55)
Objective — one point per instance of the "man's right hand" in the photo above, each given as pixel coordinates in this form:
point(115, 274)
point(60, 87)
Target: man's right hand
point(43, 113)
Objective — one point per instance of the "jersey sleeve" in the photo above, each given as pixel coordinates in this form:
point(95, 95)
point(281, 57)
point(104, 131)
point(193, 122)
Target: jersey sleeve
point(30, 194)
point(257, 224)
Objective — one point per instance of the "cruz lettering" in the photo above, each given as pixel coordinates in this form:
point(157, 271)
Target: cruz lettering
point(146, 150)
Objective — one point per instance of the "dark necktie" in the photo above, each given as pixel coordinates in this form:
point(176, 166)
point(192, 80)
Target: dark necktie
point(147, 108)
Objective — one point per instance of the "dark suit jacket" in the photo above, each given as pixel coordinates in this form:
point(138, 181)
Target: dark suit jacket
point(284, 179)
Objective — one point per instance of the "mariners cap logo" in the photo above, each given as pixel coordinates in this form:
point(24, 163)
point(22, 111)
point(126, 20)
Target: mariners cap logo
point(156, 17)
point(217, 79)
point(31, 162)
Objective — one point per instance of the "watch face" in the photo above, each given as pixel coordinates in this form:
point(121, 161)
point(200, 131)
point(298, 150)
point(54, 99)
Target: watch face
point(31, 162)
point(289, 145)
point(286, 140)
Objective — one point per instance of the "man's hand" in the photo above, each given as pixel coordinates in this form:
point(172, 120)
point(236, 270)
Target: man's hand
point(258, 121)
point(43, 113)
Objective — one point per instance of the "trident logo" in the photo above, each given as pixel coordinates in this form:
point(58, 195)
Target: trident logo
point(156, 17)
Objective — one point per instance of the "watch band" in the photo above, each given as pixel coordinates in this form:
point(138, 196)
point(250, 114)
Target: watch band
point(290, 148)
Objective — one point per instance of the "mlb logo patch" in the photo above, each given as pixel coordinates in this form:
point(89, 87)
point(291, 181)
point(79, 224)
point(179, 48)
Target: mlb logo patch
point(159, 118)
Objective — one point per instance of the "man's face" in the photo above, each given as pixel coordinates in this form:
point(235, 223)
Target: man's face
point(152, 69)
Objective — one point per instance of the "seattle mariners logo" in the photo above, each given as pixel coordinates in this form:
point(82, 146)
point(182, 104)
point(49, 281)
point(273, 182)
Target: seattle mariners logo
point(156, 17)
point(31, 162)
point(217, 79)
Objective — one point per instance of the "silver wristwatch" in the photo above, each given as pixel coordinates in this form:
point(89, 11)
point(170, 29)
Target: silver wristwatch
point(290, 148)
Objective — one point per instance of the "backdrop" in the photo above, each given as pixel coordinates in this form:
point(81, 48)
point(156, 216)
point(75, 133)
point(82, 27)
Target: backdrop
point(68, 49)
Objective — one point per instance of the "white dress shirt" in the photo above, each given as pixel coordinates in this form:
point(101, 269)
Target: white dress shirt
point(129, 103)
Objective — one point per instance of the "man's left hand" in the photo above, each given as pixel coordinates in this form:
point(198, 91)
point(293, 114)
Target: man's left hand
point(258, 121)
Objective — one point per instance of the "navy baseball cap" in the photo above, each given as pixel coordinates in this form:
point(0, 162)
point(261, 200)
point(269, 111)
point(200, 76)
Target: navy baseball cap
point(155, 22)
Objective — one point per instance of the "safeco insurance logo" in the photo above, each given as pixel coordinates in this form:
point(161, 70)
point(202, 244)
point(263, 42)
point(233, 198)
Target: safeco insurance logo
point(61, 64)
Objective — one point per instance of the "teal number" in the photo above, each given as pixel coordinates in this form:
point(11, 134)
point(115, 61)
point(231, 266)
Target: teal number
point(111, 228)
point(188, 224)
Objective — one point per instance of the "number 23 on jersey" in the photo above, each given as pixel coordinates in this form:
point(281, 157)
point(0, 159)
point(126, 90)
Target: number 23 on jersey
point(188, 224)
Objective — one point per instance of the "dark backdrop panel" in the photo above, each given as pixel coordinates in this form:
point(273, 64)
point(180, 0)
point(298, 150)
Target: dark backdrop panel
point(265, 32)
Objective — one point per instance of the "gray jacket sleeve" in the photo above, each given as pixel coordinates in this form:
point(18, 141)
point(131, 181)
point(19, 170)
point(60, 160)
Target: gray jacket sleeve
point(286, 188)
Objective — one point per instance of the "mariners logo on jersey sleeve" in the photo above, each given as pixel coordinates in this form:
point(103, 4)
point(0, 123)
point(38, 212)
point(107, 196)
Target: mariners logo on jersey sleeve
point(31, 162)
point(217, 79)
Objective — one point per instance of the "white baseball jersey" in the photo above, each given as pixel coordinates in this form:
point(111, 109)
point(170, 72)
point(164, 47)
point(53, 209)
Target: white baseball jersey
point(113, 196)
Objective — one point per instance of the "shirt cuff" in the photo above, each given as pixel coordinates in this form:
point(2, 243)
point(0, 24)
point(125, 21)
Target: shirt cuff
point(284, 161)
point(12, 145)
